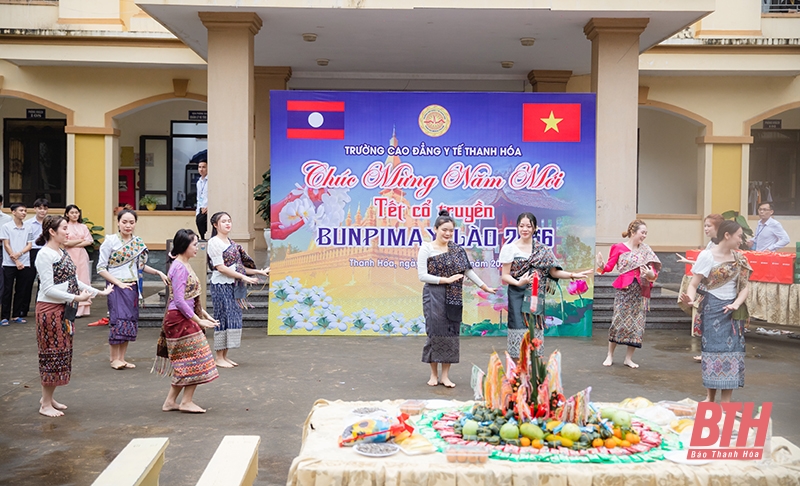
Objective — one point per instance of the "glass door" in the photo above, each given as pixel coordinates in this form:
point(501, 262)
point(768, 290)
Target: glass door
point(154, 170)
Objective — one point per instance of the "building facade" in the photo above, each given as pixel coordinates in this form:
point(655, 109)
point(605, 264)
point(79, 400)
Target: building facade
point(106, 101)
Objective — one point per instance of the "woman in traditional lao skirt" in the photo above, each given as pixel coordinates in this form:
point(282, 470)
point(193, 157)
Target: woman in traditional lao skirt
point(232, 270)
point(442, 264)
point(724, 274)
point(638, 268)
point(123, 258)
point(710, 226)
point(58, 286)
point(530, 269)
point(182, 350)
point(78, 238)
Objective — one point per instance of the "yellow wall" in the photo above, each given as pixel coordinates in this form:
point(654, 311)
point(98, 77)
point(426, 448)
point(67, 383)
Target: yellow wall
point(90, 173)
point(726, 180)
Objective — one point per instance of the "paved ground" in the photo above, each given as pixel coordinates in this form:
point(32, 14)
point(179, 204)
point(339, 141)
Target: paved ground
point(279, 379)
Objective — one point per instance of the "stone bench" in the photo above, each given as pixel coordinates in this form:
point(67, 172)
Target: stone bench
point(139, 464)
point(235, 463)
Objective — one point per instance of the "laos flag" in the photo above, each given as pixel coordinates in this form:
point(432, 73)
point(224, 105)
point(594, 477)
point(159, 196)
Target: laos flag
point(317, 120)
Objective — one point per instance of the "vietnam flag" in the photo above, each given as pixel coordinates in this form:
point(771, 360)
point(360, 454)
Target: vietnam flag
point(551, 122)
point(318, 120)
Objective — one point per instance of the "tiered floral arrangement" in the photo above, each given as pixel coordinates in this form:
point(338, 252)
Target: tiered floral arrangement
point(525, 416)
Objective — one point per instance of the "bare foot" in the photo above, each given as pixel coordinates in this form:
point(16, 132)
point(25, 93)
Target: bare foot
point(223, 364)
point(55, 404)
point(234, 363)
point(191, 407)
point(129, 365)
point(118, 364)
point(49, 411)
point(631, 364)
point(434, 381)
point(699, 359)
point(609, 361)
point(448, 384)
point(170, 406)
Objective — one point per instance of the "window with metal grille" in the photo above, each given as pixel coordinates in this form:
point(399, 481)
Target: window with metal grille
point(780, 6)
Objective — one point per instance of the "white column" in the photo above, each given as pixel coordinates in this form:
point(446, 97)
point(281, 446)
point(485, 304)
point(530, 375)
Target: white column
point(615, 80)
point(231, 101)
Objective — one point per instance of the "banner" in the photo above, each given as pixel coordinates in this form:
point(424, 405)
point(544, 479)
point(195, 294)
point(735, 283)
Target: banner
point(358, 179)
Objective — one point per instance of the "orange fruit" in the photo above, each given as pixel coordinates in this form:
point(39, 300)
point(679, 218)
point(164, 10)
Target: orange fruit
point(536, 444)
point(624, 443)
point(617, 432)
point(524, 441)
point(617, 440)
point(610, 444)
point(632, 438)
point(597, 443)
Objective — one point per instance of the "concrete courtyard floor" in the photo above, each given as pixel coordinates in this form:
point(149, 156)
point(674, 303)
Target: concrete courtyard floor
point(279, 378)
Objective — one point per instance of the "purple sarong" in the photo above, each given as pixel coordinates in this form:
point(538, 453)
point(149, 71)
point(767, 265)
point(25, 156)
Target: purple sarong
point(123, 315)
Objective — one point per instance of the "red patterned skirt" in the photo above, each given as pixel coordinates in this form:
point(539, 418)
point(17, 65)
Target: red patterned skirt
point(189, 354)
point(55, 344)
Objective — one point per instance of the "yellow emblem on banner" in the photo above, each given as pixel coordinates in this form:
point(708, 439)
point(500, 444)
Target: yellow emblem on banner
point(434, 120)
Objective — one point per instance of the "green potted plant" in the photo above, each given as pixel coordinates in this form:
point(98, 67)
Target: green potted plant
point(149, 202)
point(742, 220)
point(261, 193)
point(97, 235)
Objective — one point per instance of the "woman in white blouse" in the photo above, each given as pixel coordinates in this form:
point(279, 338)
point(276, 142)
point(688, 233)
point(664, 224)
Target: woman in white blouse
point(442, 265)
point(59, 289)
point(123, 259)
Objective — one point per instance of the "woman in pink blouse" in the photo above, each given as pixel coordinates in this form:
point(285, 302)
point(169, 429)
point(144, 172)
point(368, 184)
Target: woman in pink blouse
point(638, 268)
point(78, 238)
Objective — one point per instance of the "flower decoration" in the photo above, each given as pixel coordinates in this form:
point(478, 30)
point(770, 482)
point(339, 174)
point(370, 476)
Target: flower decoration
point(498, 301)
point(577, 287)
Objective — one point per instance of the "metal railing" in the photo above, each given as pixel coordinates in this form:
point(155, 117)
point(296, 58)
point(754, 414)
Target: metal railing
point(780, 6)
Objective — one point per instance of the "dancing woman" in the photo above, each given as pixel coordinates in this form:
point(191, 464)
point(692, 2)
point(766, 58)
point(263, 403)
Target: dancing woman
point(524, 261)
point(638, 268)
point(441, 265)
point(183, 351)
point(122, 260)
point(710, 225)
point(59, 288)
point(233, 269)
point(724, 274)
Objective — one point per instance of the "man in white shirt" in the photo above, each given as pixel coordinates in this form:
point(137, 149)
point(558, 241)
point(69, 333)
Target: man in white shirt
point(770, 235)
point(40, 206)
point(201, 214)
point(17, 272)
point(4, 218)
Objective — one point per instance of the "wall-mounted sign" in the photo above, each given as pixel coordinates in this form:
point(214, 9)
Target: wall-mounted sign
point(198, 115)
point(772, 124)
point(35, 113)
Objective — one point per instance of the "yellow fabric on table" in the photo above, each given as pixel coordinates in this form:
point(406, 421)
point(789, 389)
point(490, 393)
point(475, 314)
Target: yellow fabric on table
point(322, 463)
point(775, 303)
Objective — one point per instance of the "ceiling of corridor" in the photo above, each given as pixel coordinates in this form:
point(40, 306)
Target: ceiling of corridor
point(442, 41)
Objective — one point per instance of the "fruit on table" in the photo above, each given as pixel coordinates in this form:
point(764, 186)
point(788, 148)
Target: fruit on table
point(509, 431)
point(571, 431)
point(531, 431)
point(597, 442)
point(551, 425)
point(524, 441)
point(470, 428)
point(610, 444)
point(632, 438)
point(679, 425)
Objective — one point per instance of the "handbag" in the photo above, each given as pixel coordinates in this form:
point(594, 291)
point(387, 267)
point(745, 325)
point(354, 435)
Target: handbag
point(240, 290)
point(71, 311)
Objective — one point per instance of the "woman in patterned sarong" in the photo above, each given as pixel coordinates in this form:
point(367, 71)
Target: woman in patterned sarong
point(182, 350)
point(638, 268)
point(233, 270)
point(58, 287)
point(723, 274)
point(524, 261)
point(442, 265)
point(123, 258)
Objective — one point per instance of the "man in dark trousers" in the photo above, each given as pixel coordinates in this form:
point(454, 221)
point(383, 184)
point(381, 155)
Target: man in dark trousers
point(17, 240)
